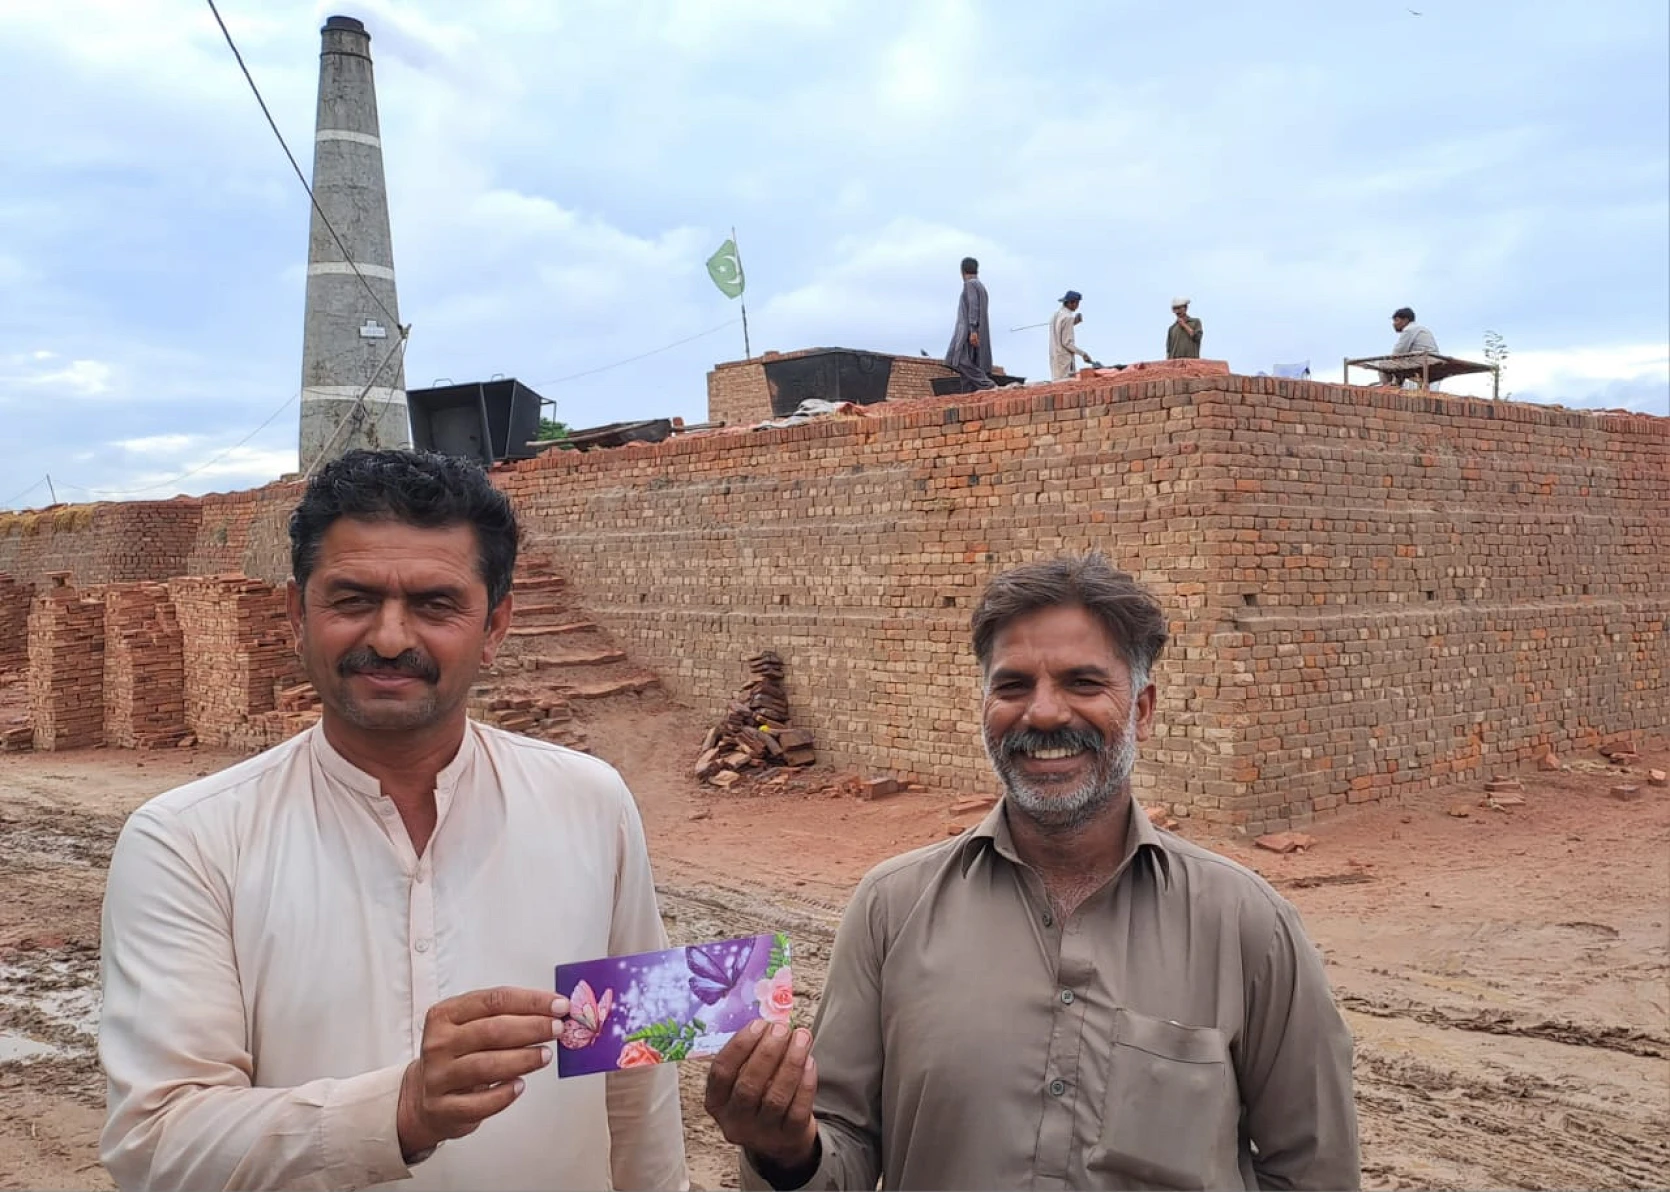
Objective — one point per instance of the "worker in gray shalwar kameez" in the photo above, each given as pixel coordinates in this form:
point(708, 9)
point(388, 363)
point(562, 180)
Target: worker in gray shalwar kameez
point(970, 353)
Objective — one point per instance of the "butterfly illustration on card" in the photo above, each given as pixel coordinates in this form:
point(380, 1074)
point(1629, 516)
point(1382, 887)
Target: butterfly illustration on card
point(586, 1015)
point(715, 969)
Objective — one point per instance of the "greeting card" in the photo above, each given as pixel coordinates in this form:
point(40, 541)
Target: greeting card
point(662, 1007)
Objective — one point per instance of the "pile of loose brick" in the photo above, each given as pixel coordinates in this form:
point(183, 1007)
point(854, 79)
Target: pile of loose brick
point(755, 731)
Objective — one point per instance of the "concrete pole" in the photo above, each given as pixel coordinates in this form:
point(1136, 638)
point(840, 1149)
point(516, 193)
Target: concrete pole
point(348, 334)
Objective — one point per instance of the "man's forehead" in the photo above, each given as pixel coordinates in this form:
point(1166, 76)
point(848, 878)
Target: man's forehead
point(361, 549)
point(1071, 634)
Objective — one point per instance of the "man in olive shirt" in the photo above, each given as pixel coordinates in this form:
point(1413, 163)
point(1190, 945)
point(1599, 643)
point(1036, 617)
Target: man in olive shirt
point(1183, 336)
point(1065, 997)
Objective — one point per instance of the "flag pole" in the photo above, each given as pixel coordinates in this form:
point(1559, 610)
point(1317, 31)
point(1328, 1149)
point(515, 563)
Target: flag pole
point(747, 351)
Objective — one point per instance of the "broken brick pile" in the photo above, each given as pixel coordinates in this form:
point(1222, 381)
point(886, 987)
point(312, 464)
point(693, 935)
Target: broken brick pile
point(755, 731)
point(66, 667)
point(144, 668)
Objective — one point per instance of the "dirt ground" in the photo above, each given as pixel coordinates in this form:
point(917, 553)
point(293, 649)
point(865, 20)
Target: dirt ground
point(1506, 973)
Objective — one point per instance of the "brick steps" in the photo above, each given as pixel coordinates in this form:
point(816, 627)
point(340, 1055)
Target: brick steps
point(526, 632)
point(555, 660)
point(552, 661)
point(538, 583)
point(631, 685)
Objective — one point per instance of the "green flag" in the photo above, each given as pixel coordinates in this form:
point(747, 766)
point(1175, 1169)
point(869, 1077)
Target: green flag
point(725, 268)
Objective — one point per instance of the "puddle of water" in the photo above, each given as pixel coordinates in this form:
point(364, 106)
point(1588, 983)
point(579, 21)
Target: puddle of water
point(74, 1004)
point(21, 1047)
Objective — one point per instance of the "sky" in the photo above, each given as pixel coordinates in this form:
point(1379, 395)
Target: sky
point(560, 170)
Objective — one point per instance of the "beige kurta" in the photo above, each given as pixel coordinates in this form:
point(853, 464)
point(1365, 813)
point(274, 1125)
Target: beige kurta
point(968, 1038)
point(271, 943)
point(1064, 349)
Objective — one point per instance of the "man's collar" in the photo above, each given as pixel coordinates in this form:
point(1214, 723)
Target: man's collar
point(344, 771)
point(1140, 836)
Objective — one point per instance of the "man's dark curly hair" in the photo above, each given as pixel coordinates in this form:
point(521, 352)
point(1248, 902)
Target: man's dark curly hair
point(418, 488)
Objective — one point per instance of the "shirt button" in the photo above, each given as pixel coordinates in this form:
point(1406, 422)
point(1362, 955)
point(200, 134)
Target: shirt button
point(1057, 1087)
point(1066, 997)
point(422, 945)
point(1049, 919)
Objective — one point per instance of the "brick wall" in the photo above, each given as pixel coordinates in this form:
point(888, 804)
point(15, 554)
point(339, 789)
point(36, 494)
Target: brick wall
point(245, 533)
point(237, 650)
point(737, 393)
point(15, 598)
point(1369, 591)
point(112, 542)
point(144, 668)
point(66, 666)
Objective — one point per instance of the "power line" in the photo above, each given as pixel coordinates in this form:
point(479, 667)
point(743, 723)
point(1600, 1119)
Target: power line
point(209, 463)
point(642, 355)
point(10, 501)
point(300, 177)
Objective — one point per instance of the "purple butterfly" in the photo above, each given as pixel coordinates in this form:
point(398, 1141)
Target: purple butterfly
point(716, 968)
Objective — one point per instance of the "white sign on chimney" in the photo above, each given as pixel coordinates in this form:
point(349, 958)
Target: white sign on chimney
point(373, 330)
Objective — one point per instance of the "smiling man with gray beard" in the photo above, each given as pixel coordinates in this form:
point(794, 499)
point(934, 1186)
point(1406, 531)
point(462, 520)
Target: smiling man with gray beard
point(1065, 997)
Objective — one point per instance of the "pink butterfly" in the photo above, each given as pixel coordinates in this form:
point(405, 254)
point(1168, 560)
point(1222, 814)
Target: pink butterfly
point(586, 1014)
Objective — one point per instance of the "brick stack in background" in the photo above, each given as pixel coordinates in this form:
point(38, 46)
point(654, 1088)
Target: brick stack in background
point(144, 668)
point(239, 655)
point(110, 542)
point(1369, 592)
point(245, 533)
point(15, 598)
point(66, 667)
point(755, 731)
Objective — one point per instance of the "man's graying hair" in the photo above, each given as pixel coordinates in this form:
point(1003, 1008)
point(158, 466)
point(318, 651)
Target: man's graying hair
point(1132, 616)
point(417, 488)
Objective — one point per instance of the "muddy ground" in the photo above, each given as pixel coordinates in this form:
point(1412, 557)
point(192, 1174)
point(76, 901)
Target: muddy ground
point(1505, 973)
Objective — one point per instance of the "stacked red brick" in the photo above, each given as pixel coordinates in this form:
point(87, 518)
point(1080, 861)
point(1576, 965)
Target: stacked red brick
point(1370, 592)
point(144, 668)
point(238, 653)
point(15, 598)
point(66, 667)
point(111, 542)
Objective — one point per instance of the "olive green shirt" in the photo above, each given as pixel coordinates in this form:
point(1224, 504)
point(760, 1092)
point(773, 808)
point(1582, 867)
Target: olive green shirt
point(1176, 1031)
point(1180, 345)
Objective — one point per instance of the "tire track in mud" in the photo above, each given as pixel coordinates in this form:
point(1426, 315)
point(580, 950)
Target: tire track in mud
point(1424, 1127)
point(1497, 1022)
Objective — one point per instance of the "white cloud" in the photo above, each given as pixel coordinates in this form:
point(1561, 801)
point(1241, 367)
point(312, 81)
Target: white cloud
point(78, 378)
point(170, 445)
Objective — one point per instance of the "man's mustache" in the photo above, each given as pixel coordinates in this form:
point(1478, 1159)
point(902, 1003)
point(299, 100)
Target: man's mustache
point(364, 660)
point(1029, 740)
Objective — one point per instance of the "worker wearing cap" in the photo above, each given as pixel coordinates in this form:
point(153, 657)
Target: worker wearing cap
point(1062, 347)
point(1183, 336)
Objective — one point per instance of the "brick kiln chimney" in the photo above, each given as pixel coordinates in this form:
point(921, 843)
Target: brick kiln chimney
point(350, 325)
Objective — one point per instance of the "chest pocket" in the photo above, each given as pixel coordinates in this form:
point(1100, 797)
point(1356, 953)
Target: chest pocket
point(1172, 1108)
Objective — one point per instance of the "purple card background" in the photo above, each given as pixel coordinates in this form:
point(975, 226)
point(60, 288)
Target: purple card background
point(650, 988)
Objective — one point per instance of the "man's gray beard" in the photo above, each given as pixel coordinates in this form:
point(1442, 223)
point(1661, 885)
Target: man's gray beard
point(1056, 813)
